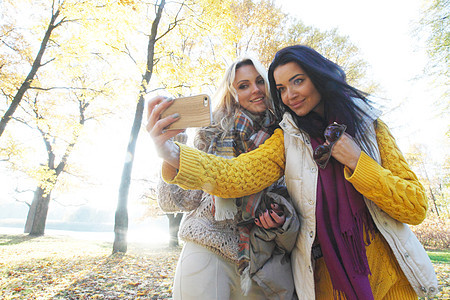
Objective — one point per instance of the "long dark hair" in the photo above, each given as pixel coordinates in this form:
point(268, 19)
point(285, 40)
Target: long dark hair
point(330, 81)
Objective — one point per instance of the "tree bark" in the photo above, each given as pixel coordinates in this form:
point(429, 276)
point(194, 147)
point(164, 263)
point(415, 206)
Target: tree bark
point(121, 216)
point(174, 227)
point(37, 215)
point(434, 200)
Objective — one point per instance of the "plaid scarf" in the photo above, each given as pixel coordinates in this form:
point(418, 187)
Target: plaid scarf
point(249, 132)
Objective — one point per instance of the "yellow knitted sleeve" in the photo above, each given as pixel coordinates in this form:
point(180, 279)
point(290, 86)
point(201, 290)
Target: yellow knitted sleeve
point(392, 186)
point(246, 174)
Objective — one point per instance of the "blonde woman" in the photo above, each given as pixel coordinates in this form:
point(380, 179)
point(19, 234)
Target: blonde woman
point(219, 260)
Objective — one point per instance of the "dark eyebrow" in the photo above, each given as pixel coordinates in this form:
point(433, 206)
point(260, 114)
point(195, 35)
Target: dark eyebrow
point(292, 78)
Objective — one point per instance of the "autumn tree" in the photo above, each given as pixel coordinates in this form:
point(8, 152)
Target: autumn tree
point(433, 30)
point(14, 44)
point(181, 55)
point(434, 25)
point(20, 88)
point(76, 85)
point(256, 27)
point(192, 50)
point(259, 28)
point(172, 64)
point(59, 135)
point(419, 160)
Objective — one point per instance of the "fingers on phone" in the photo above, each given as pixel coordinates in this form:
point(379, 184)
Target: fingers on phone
point(160, 126)
point(155, 107)
point(152, 103)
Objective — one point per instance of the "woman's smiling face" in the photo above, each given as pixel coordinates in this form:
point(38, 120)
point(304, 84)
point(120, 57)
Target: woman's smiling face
point(251, 89)
point(296, 89)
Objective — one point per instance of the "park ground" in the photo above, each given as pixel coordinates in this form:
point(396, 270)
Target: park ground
point(58, 267)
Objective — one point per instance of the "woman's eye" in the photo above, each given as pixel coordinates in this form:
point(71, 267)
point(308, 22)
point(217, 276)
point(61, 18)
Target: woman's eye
point(261, 81)
point(297, 81)
point(281, 90)
point(243, 86)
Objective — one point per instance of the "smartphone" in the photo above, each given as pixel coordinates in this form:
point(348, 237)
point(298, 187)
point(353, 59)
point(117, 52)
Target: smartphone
point(195, 111)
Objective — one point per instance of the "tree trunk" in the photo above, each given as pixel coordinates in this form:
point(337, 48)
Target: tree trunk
point(120, 229)
point(174, 227)
point(121, 217)
point(434, 201)
point(37, 214)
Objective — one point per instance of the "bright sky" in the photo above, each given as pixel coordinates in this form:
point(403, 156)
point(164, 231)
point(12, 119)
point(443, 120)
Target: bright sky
point(383, 31)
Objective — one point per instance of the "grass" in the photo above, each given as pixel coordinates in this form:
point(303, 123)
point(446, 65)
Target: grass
point(439, 256)
point(65, 268)
point(59, 267)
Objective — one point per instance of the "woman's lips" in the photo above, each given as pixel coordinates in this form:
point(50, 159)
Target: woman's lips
point(257, 100)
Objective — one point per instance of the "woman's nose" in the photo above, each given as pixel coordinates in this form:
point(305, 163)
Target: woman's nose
point(256, 89)
point(290, 93)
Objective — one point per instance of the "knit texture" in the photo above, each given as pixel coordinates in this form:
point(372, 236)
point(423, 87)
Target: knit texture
point(224, 177)
point(387, 281)
point(198, 224)
point(392, 186)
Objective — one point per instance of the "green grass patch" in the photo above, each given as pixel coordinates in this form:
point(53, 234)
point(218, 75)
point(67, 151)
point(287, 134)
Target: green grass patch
point(439, 256)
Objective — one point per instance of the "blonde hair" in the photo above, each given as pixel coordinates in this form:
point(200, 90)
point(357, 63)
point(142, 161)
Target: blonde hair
point(227, 101)
point(226, 95)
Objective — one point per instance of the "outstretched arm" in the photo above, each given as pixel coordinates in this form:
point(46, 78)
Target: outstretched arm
point(229, 178)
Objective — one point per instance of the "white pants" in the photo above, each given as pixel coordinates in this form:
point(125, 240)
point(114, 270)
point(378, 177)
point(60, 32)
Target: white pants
point(202, 274)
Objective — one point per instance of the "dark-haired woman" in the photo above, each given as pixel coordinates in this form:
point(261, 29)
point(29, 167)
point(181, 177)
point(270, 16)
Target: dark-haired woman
point(351, 186)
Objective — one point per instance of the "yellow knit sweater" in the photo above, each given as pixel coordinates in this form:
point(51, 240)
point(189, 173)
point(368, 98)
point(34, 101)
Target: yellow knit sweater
point(391, 185)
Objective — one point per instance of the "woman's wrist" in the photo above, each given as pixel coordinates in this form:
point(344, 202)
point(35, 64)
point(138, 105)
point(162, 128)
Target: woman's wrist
point(170, 153)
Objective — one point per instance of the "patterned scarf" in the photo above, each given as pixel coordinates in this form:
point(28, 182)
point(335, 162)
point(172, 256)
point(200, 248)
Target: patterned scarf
point(249, 132)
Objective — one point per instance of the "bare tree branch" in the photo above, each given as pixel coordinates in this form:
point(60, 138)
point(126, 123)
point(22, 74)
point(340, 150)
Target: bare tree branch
point(128, 53)
point(22, 201)
point(47, 62)
point(67, 88)
point(10, 46)
point(174, 23)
